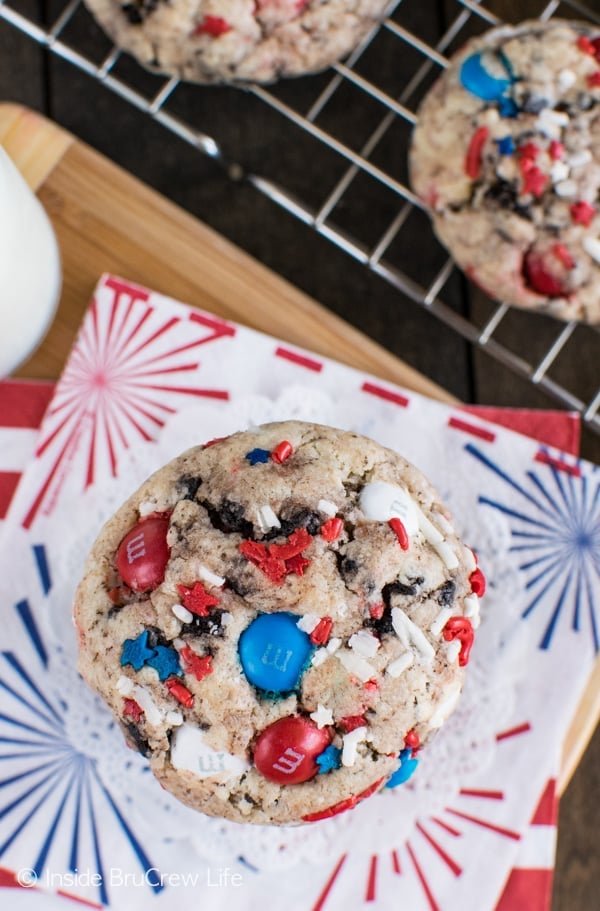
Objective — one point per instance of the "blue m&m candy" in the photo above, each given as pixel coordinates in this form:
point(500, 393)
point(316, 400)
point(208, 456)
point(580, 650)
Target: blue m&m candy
point(274, 652)
point(486, 76)
point(404, 771)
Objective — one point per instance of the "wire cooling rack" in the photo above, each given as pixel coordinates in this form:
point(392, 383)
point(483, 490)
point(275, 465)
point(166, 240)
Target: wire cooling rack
point(352, 166)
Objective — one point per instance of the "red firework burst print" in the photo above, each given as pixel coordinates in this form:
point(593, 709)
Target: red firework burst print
point(428, 860)
point(131, 366)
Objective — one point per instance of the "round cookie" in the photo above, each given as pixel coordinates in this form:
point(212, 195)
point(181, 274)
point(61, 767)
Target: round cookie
point(279, 621)
point(237, 40)
point(506, 155)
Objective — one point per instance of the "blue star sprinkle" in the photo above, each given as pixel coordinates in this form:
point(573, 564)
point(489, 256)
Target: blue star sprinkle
point(258, 455)
point(329, 759)
point(506, 145)
point(136, 651)
point(165, 661)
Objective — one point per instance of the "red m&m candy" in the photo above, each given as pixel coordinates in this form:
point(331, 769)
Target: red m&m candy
point(143, 553)
point(544, 276)
point(286, 751)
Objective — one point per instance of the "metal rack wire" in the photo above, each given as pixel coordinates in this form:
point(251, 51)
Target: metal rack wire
point(391, 108)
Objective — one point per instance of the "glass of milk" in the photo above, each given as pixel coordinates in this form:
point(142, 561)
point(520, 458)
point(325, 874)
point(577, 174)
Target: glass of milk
point(30, 274)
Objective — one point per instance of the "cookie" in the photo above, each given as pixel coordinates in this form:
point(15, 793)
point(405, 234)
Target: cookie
point(237, 40)
point(279, 621)
point(506, 155)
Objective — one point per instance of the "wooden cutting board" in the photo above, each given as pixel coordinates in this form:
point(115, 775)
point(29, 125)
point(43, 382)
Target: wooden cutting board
point(107, 221)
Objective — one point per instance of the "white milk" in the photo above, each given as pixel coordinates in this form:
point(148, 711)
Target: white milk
point(30, 275)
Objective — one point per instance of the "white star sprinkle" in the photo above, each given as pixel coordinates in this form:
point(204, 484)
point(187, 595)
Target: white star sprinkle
point(322, 717)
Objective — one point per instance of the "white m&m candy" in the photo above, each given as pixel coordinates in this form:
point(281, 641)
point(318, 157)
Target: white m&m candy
point(190, 751)
point(381, 501)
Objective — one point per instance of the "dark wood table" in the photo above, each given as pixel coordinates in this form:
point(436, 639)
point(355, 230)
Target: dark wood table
point(234, 208)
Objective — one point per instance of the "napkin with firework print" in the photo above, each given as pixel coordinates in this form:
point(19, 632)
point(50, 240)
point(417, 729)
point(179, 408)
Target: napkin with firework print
point(141, 357)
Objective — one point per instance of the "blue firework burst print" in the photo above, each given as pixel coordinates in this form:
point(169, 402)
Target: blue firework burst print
point(555, 529)
point(53, 801)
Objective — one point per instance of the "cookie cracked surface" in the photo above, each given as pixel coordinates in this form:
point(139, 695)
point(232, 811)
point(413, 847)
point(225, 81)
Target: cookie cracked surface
point(237, 40)
point(279, 621)
point(506, 155)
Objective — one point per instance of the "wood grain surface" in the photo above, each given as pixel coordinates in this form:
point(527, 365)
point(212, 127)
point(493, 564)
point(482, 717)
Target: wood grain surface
point(107, 221)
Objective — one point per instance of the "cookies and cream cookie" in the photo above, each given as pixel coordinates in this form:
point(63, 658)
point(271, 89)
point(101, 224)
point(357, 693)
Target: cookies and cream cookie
point(237, 40)
point(506, 155)
point(279, 621)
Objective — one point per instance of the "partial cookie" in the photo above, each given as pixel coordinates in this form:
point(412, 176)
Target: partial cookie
point(237, 40)
point(506, 155)
point(279, 621)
